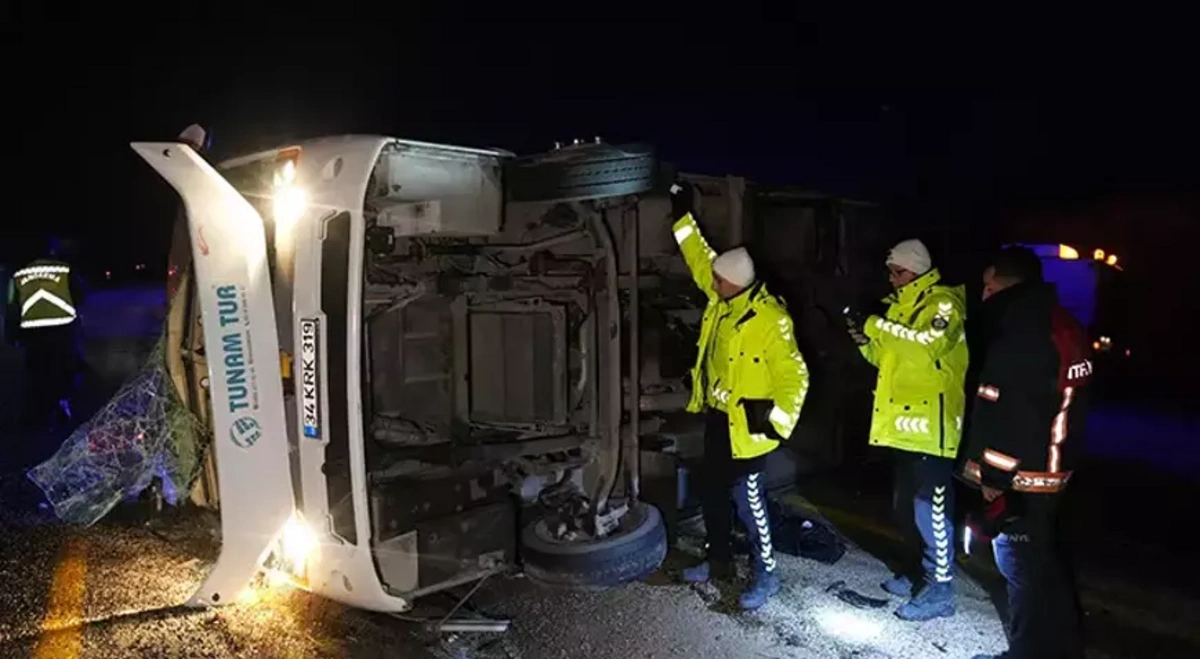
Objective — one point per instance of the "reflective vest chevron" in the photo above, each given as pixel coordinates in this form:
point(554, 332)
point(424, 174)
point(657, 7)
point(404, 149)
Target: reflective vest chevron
point(920, 349)
point(44, 292)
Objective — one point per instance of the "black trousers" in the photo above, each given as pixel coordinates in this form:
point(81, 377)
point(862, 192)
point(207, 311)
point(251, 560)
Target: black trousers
point(52, 363)
point(726, 482)
point(1044, 615)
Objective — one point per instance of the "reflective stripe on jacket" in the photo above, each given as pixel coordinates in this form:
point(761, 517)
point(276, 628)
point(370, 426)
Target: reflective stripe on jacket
point(921, 352)
point(1033, 394)
point(43, 292)
point(764, 362)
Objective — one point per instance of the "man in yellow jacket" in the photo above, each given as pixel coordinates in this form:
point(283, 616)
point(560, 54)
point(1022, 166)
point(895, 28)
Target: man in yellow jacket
point(750, 382)
point(921, 352)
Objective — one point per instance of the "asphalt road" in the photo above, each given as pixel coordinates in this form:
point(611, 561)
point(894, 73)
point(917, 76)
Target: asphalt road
point(114, 590)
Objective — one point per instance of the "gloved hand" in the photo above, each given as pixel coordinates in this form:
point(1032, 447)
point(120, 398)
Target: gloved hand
point(683, 199)
point(758, 417)
point(854, 325)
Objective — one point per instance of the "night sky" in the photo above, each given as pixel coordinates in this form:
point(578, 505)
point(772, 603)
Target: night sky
point(918, 125)
point(1095, 141)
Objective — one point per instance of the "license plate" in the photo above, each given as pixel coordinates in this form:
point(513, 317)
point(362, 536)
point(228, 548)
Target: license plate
point(310, 382)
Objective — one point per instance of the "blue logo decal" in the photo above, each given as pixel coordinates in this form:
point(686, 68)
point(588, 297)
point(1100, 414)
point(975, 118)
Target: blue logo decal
point(245, 432)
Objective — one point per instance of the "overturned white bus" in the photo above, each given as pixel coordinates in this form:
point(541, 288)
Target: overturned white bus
point(422, 364)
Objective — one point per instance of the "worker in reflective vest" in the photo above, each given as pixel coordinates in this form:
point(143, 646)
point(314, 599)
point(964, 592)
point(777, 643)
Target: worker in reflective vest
point(42, 303)
point(921, 353)
point(750, 381)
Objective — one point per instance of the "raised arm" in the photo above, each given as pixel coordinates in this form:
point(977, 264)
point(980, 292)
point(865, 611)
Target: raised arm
point(697, 254)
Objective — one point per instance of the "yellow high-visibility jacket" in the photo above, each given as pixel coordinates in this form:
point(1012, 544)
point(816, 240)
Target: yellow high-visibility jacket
point(921, 352)
point(764, 362)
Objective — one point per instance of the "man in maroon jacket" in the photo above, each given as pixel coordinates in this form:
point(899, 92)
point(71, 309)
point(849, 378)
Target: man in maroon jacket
point(1024, 433)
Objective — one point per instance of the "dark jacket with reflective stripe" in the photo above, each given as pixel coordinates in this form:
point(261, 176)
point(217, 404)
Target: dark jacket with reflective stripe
point(1027, 417)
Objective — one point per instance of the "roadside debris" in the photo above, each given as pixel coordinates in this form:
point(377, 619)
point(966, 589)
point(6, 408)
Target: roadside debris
point(144, 433)
point(469, 626)
point(854, 598)
point(796, 535)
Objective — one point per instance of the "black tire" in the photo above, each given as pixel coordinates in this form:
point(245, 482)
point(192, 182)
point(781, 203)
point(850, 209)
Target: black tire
point(590, 171)
point(633, 552)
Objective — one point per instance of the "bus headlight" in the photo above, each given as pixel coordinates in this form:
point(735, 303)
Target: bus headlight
point(288, 203)
point(288, 199)
point(297, 544)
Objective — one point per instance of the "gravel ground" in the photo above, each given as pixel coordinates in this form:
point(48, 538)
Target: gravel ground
point(662, 619)
point(138, 572)
point(139, 569)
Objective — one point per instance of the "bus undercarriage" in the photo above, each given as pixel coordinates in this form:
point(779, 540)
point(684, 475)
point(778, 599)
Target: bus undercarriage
point(477, 372)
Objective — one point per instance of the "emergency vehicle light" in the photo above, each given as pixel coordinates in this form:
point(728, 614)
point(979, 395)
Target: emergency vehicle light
point(1067, 252)
point(1112, 259)
point(1098, 255)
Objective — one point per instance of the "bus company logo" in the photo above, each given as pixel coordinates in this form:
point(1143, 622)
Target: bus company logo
point(245, 432)
point(237, 367)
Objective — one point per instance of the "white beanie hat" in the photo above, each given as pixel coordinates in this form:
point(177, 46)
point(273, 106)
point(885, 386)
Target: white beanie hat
point(735, 267)
point(912, 256)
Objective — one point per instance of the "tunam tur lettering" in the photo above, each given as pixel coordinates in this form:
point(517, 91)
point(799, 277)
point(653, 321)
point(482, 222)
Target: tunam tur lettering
point(233, 350)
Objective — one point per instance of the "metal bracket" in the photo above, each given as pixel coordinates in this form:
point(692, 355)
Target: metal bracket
point(608, 522)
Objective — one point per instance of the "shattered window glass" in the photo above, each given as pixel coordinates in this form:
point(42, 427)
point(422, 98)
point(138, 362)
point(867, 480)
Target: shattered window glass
point(143, 433)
